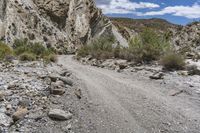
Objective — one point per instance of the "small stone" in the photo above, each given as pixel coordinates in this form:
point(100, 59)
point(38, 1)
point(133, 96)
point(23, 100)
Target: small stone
point(78, 93)
point(1, 96)
point(66, 81)
point(193, 70)
point(122, 66)
point(5, 120)
point(56, 90)
point(8, 107)
point(60, 83)
point(183, 73)
point(12, 86)
point(24, 103)
point(19, 114)
point(157, 76)
point(53, 77)
point(65, 73)
point(59, 114)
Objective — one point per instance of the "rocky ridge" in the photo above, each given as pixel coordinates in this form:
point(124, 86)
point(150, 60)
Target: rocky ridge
point(129, 27)
point(60, 24)
point(187, 39)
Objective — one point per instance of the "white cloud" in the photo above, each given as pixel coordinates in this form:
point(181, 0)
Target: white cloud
point(191, 12)
point(123, 6)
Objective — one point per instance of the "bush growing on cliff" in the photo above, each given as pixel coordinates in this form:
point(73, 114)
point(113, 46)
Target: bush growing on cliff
point(5, 51)
point(32, 51)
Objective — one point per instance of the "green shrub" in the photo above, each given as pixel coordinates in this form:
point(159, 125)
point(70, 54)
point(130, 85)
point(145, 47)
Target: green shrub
point(25, 49)
point(101, 48)
point(148, 46)
point(27, 57)
point(5, 51)
point(23, 45)
point(83, 51)
point(20, 46)
point(173, 61)
point(50, 58)
point(37, 49)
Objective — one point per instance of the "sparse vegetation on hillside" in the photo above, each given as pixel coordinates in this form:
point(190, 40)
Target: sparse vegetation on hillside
point(101, 48)
point(28, 51)
point(146, 47)
point(139, 25)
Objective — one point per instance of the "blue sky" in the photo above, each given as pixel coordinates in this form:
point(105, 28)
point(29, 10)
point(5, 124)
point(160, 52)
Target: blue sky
point(175, 11)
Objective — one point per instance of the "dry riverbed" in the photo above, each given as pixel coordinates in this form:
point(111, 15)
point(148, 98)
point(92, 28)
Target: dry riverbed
point(75, 98)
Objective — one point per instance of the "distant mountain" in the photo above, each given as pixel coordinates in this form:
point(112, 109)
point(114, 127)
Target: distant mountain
point(138, 25)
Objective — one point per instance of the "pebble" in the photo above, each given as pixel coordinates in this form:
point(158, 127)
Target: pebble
point(66, 81)
point(56, 89)
point(19, 114)
point(59, 114)
point(5, 120)
point(1, 96)
point(156, 76)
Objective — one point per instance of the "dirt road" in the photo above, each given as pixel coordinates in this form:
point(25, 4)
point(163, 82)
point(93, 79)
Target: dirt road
point(129, 104)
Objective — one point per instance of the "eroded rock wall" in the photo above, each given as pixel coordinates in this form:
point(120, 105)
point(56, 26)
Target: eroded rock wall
point(58, 23)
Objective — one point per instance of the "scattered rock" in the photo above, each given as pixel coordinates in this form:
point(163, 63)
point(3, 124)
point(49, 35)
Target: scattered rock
point(65, 73)
point(183, 73)
point(53, 77)
point(5, 120)
point(12, 86)
point(59, 114)
point(66, 81)
point(122, 66)
point(60, 83)
point(19, 114)
point(56, 89)
point(8, 107)
point(25, 103)
point(177, 93)
point(1, 96)
point(193, 70)
point(157, 76)
point(78, 93)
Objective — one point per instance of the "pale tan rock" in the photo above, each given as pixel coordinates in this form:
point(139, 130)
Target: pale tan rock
point(19, 114)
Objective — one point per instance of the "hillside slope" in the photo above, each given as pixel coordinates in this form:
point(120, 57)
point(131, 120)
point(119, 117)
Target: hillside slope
point(187, 40)
point(56, 23)
point(128, 25)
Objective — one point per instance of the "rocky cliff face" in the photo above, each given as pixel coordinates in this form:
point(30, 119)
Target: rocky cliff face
point(187, 39)
point(57, 23)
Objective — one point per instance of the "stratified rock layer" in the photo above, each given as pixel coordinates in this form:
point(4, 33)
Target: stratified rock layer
point(58, 23)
